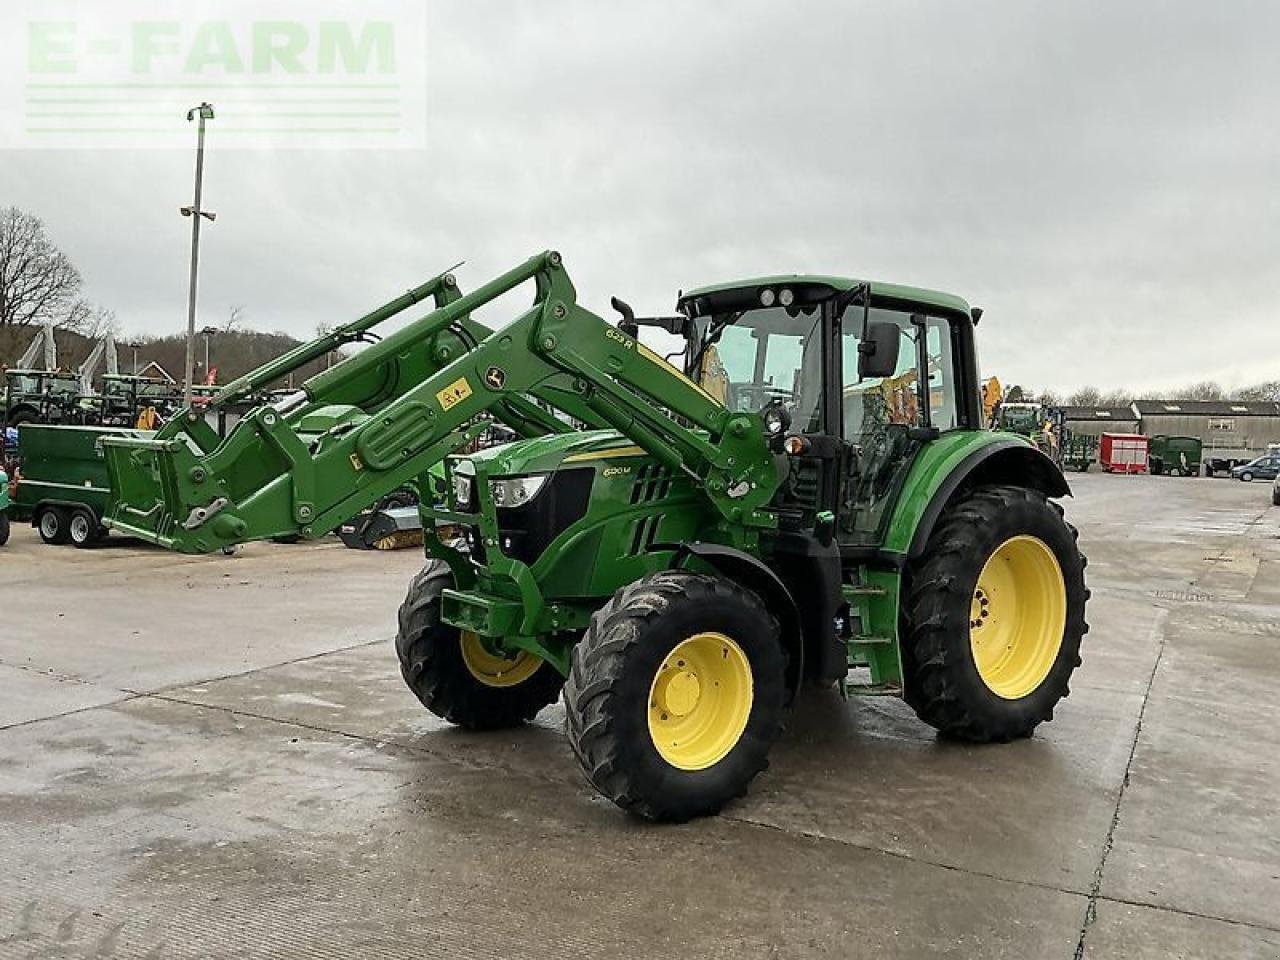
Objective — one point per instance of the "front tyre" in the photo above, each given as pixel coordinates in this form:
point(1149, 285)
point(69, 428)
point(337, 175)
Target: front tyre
point(452, 672)
point(993, 616)
point(676, 694)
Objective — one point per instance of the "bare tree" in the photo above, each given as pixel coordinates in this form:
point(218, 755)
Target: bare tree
point(1115, 398)
point(91, 320)
point(1085, 397)
point(1269, 390)
point(1206, 390)
point(38, 282)
point(235, 316)
point(1049, 398)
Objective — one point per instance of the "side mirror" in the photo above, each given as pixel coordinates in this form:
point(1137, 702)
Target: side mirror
point(630, 324)
point(878, 351)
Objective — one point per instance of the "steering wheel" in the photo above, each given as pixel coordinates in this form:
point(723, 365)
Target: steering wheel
point(749, 395)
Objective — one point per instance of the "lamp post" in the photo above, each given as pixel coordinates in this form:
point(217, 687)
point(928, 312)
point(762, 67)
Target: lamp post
point(207, 332)
point(204, 112)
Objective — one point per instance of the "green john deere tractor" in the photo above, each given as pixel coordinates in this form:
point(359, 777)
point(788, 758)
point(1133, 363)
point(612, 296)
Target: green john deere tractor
point(811, 502)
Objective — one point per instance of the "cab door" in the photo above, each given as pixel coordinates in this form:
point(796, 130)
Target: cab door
point(886, 421)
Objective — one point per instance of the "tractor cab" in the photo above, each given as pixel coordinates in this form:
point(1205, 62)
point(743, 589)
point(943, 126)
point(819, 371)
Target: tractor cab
point(126, 397)
point(41, 396)
point(850, 378)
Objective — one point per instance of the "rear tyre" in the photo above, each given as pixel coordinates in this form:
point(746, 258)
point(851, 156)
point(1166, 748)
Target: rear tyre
point(994, 616)
point(82, 528)
point(676, 694)
point(4, 528)
point(452, 672)
point(52, 523)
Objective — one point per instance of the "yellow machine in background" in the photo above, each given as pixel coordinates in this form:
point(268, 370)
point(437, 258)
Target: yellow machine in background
point(992, 397)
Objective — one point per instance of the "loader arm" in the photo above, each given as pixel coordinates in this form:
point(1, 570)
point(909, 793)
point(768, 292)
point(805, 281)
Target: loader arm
point(351, 436)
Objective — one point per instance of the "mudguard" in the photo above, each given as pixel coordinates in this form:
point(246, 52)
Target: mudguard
point(957, 462)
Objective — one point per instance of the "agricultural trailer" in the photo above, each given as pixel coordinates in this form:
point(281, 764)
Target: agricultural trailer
point(812, 501)
point(1123, 452)
point(62, 486)
point(1175, 456)
point(1079, 451)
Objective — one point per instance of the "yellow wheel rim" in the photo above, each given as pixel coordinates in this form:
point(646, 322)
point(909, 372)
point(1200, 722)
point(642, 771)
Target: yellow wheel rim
point(1017, 617)
point(495, 671)
point(699, 701)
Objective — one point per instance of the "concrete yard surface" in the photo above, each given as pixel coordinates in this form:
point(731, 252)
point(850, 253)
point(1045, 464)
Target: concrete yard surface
point(216, 757)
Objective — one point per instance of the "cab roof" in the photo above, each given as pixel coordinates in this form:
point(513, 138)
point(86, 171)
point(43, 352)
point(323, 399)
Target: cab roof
point(945, 302)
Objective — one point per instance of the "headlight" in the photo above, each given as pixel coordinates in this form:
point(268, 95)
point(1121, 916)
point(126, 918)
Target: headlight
point(462, 490)
point(515, 491)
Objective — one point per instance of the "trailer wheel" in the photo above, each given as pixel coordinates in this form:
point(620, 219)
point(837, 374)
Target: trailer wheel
point(4, 528)
point(82, 528)
point(51, 522)
point(994, 616)
point(676, 694)
point(452, 672)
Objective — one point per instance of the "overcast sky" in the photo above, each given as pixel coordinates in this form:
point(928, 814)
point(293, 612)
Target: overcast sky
point(1103, 178)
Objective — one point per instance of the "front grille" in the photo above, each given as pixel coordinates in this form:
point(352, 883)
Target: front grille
point(527, 530)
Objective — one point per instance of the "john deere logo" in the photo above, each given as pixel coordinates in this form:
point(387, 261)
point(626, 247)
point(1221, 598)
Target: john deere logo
point(496, 378)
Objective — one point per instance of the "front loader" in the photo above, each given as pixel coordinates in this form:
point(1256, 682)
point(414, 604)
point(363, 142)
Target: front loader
point(813, 501)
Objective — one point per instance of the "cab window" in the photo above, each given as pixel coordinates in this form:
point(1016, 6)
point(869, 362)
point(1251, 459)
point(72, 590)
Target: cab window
point(769, 356)
point(870, 405)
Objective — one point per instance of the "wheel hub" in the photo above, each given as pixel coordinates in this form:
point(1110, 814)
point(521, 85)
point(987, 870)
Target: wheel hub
point(1017, 617)
point(493, 670)
point(678, 695)
point(700, 701)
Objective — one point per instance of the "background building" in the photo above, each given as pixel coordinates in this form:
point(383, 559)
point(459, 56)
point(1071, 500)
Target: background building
point(1095, 421)
point(1229, 428)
